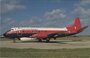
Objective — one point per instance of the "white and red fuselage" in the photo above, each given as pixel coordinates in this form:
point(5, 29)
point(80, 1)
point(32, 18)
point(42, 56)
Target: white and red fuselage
point(30, 33)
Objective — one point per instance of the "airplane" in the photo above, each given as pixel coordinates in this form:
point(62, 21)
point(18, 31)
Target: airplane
point(34, 33)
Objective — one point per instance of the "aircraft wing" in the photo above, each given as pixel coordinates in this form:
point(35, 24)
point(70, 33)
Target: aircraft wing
point(45, 35)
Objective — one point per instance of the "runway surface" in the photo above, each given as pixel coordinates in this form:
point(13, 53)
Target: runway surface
point(54, 44)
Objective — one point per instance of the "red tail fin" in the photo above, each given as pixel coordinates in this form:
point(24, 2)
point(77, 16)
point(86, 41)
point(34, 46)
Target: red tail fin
point(76, 26)
point(77, 23)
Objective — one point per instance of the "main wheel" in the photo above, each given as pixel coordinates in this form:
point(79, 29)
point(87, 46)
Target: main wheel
point(48, 40)
point(39, 40)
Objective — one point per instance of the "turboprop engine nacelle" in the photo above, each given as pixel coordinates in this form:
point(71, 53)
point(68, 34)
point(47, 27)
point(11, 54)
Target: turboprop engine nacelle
point(27, 39)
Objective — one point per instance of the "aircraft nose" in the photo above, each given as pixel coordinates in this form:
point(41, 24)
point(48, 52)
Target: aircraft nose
point(5, 34)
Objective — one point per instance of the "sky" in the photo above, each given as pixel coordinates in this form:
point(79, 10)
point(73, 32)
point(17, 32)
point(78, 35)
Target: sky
point(43, 13)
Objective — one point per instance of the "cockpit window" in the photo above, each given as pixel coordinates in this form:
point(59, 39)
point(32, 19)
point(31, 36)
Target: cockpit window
point(11, 29)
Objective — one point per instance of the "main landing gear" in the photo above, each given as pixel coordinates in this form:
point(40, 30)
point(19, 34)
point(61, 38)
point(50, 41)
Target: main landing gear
point(48, 40)
point(40, 40)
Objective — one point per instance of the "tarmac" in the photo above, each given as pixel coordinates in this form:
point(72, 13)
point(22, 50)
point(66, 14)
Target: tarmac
point(53, 44)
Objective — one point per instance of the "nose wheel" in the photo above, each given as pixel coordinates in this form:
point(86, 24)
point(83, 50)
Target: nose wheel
point(14, 40)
